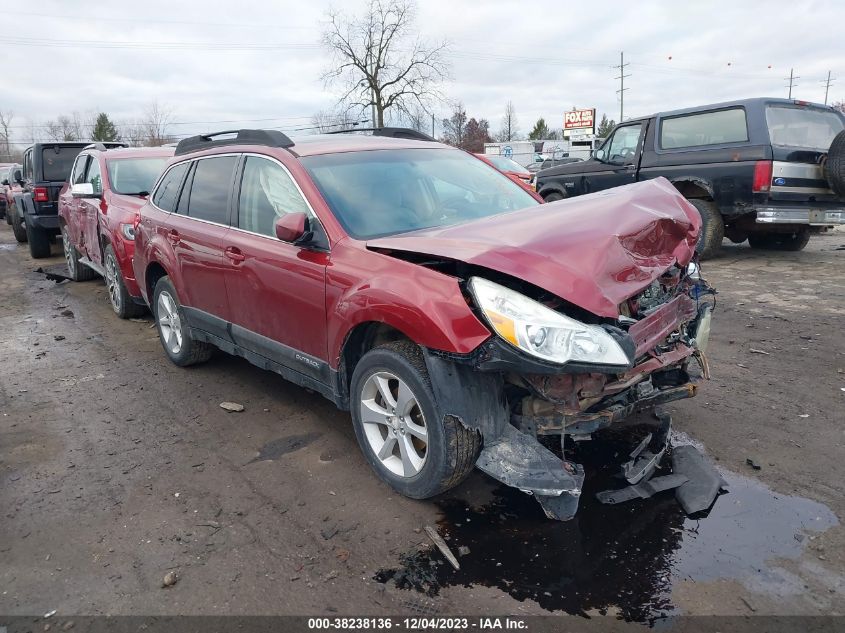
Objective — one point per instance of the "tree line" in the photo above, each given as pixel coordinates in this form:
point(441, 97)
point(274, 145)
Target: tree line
point(151, 129)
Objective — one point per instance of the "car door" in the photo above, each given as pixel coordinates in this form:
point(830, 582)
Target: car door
point(619, 157)
point(195, 232)
point(277, 290)
point(69, 206)
point(89, 212)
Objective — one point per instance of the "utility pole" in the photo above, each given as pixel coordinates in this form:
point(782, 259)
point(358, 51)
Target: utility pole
point(827, 86)
point(791, 80)
point(622, 87)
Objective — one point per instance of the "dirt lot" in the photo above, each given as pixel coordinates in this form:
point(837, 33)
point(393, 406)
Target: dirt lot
point(117, 468)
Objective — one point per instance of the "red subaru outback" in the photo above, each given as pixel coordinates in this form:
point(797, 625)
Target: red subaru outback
point(405, 280)
point(98, 211)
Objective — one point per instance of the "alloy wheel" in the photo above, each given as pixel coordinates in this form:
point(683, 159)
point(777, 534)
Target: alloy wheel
point(169, 322)
point(113, 282)
point(68, 248)
point(394, 424)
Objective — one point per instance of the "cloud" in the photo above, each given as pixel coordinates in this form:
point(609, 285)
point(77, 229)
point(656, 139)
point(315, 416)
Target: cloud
point(219, 61)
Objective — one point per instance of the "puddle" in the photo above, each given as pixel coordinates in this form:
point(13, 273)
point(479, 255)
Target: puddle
point(276, 448)
point(625, 557)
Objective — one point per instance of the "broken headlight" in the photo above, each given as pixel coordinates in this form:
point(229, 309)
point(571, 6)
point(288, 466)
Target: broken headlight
point(542, 332)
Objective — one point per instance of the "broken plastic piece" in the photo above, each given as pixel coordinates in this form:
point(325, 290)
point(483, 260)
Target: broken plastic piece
point(644, 462)
point(642, 490)
point(520, 461)
point(704, 482)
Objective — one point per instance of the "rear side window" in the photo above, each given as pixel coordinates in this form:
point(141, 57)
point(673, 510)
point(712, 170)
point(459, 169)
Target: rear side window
point(27, 164)
point(806, 128)
point(704, 128)
point(210, 189)
point(167, 193)
point(267, 193)
point(56, 162)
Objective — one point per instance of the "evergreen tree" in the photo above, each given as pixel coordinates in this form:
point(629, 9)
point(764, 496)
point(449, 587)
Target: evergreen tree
point(104, 129)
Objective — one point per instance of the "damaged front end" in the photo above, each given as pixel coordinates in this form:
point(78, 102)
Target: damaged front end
point(590, 376)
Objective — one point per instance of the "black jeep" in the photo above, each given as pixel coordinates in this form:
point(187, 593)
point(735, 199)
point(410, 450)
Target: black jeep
point(35, 214)
point(771, 171)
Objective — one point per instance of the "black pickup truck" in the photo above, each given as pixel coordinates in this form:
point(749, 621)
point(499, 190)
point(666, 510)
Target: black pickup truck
point(771, 171)
point(35, 215)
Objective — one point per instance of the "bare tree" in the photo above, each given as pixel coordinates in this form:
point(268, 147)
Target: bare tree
point(377, 62)
point(454, 128)
point(5, 123)
point(510, 126)
point(325, 121)
point(155, 124)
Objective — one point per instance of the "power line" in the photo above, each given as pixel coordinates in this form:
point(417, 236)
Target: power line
point(791, 80)
point(622, 87)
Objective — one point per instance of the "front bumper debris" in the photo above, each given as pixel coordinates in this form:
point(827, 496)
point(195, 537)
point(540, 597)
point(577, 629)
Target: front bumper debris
point(520, 461)
point(800, 215)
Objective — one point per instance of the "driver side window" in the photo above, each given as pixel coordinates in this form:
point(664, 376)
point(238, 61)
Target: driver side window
point(623, 146)
point(267, 193)
point(78, 174)
point(94, 177)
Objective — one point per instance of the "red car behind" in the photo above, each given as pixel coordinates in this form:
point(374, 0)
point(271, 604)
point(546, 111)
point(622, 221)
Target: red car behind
point(98, 212)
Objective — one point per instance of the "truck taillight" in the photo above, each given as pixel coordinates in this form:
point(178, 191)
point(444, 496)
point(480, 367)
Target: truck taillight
point(762, 176)
point(40, 194)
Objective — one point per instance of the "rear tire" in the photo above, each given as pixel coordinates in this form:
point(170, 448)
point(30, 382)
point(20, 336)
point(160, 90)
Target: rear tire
point(834, 168)
point(780, 241)
point(39, 242)
point(391, 432)
point(18, 228)
point(121, 301)
point(173, 330)
point(712, 228)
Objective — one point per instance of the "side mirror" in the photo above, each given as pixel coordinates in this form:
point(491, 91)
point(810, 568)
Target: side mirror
point(5, 182)
point(83, 190)
point(599, 155)
point(291, 227)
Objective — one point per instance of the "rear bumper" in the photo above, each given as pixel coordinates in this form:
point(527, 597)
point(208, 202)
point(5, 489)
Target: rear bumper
point(800, 215)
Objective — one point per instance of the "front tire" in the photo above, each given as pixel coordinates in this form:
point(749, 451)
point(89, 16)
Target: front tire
point(121, 301)
point(76, 269)
point(39, 242)
point(554, 196)
point(712, 228)
point(401, 429)
point(173, 330)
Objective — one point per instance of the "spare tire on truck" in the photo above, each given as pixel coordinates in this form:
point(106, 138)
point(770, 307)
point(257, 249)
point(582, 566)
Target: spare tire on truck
point(834, 167)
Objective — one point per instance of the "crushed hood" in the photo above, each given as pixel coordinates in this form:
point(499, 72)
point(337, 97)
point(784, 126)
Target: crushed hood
point(594, 251)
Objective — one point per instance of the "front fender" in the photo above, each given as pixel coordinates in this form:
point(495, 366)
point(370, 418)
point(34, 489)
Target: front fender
point(427, 306)
point(155, 250)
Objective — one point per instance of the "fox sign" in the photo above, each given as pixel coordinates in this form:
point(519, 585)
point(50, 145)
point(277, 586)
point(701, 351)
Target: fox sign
point(581, 120)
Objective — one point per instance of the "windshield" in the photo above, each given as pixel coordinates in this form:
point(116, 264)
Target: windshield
point(57, 161)
point(504, 163)
point(385, 192)
point(134, 176)
point(806, 128)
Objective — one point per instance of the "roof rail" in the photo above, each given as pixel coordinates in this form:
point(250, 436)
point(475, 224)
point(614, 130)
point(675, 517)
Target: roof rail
point(101, 147)
point(272, 138)
point(390, 132)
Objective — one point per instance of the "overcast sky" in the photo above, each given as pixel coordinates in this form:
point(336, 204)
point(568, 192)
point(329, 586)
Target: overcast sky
point(212, 61)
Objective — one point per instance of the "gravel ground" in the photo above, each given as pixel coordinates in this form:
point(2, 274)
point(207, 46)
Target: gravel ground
point(117, 468)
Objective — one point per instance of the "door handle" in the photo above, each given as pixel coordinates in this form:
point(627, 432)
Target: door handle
point(235, 254)
point(173, 236)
